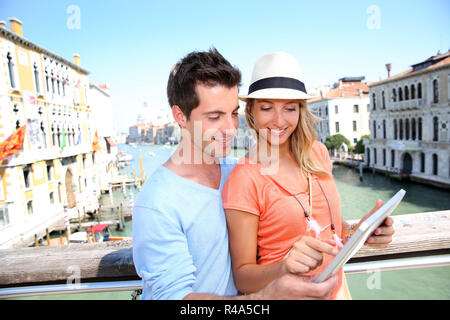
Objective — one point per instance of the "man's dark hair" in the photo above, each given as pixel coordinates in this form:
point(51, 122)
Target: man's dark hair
point(207, 68)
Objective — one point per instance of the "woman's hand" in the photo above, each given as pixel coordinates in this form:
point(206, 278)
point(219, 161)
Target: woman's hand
point(307, 254)
point(382, 235)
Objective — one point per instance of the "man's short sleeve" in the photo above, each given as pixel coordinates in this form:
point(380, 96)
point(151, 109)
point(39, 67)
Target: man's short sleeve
point(161, 255)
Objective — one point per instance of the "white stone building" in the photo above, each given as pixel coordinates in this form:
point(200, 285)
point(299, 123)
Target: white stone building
point(343, 109)
point(105, 159)
point(410, 118)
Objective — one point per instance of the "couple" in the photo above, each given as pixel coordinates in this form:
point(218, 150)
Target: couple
point(206, 227)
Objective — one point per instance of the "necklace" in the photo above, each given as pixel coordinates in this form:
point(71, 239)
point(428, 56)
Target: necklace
point(313, 224)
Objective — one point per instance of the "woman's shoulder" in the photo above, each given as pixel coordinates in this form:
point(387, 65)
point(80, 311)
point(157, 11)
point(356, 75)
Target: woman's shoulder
point(244, 169)
point(319, 148)
point(320, 154)
point(246, 163)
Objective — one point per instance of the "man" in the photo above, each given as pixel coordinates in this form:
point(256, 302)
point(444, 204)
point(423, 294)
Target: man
point(180, 238)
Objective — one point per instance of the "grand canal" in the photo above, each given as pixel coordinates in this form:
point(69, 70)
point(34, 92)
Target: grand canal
point(358, 198)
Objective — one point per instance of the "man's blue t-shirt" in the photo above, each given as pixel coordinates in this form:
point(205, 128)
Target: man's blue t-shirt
point(180, 237)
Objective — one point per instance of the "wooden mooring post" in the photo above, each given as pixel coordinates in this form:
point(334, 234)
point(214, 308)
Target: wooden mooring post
point(422, 234)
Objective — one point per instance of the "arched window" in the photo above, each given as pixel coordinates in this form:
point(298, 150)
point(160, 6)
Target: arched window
point(406, 93)
point(30, 206)
point(384, 157)
point(419, 91)
point(407, 129)
point(422, 162)
point(37, 81)
point(58, 86)
point(400, 94)
point(395, 129)
point(53, 82)
point(53, 136)
point(435, 164)
point(49, 166)
point(383, 100)
point(413, 91)
point(58, 135)
point(27, 176)
point(374, 101)
point(413, 127)
point(368, 156)
point(64, 84)
point(44, 135)
point(394, 95)
point(47, 78)
point(12, 78)
point(393, 158)
point(435, 91)
point(401, 129)
point(435, 129)
point(384, 129)
point(420, 129)
point(374, 129)
point(375, 155)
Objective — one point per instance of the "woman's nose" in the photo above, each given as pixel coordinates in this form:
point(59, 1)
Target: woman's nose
point(279, 120)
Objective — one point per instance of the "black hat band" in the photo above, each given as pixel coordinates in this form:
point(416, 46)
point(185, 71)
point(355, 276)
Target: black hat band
point(276, 83)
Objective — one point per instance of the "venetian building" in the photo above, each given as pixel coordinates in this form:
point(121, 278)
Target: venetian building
point(52, 175)
point(409, 123)
point(343, 108)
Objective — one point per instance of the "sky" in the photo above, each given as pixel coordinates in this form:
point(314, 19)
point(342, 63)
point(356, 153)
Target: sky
point(132, 45)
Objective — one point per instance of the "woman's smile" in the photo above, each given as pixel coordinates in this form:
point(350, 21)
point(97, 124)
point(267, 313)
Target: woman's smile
point(277, 132)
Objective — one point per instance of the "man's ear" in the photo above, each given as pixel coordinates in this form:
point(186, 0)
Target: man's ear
point(179, 116)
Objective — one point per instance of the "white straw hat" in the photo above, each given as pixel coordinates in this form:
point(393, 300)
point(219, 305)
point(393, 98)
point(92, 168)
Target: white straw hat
point(276, 76)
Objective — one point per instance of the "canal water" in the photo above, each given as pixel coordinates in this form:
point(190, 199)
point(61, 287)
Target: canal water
point(357, 198)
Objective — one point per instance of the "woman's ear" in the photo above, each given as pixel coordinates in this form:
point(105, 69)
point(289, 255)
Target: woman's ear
point(179, 116)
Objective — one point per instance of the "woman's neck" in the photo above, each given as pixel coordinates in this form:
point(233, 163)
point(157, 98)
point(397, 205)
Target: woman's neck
point(266, 153)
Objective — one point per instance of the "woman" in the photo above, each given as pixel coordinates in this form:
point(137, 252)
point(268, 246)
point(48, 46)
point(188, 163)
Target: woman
point(282, 205)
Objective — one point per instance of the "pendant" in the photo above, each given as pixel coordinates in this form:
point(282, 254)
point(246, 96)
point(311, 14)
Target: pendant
point(315, 227)
point(338, 241)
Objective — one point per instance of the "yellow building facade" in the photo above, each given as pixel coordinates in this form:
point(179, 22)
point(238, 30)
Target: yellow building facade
point(52, 176)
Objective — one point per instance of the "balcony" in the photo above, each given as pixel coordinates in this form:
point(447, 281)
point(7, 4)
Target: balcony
point(414, 104)
point(405, 145)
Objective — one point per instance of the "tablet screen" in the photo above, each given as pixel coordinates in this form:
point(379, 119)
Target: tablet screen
point(360, 236)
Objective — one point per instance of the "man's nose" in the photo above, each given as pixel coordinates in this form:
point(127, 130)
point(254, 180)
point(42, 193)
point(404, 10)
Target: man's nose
point(229, 127)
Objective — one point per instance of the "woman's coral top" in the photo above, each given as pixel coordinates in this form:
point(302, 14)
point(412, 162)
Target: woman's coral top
point(281, 218)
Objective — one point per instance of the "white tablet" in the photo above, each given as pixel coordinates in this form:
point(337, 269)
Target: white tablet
point(360, 236)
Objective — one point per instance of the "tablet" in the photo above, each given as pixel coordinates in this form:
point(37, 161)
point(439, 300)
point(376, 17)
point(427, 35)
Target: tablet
point(360, 236)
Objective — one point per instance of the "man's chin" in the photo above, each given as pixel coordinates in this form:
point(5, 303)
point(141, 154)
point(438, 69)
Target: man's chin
point(218, 152)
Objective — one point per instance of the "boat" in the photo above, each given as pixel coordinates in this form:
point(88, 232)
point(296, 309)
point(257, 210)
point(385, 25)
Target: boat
point(124, 157)
point(151, 153)
point(101, 234)
point(78, 237)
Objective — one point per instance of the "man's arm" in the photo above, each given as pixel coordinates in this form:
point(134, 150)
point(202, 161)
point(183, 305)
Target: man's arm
point(161, 255)
point(287, 287)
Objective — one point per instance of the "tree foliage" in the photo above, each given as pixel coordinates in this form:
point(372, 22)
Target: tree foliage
point(335, 141)
point(359, 147)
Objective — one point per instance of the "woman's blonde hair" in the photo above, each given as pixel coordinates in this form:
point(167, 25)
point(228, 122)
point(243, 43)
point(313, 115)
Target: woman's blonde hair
point(301, 140)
